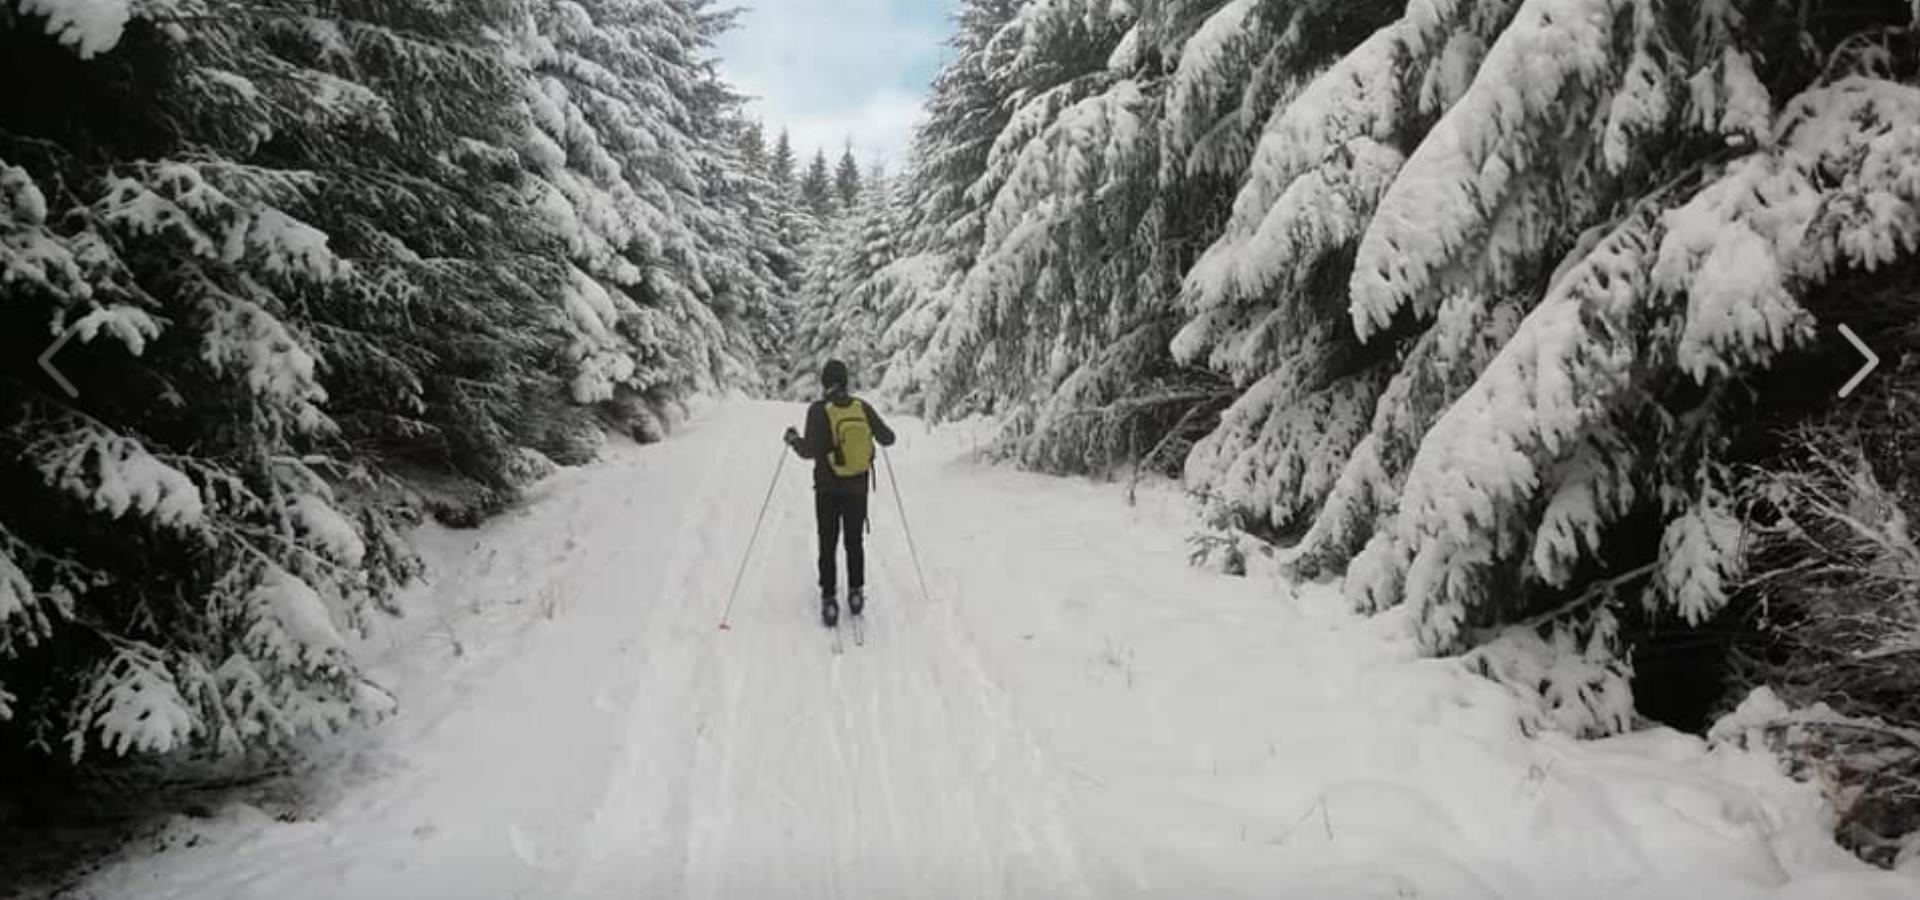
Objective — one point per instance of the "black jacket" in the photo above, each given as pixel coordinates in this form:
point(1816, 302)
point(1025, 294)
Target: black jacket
point(817, 445)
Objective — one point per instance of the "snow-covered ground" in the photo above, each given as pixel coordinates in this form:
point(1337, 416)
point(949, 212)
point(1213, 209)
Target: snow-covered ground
point(1075, 712)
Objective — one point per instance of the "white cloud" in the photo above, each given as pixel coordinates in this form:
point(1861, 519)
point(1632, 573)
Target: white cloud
point(827, 70)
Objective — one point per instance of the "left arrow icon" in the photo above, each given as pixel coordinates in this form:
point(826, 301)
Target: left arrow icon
point(46, 361)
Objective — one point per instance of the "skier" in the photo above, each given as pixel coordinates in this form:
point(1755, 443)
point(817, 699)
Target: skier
point(841, 431)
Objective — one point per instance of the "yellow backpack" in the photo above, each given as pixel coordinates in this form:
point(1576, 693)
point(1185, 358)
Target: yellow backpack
point(852, 439)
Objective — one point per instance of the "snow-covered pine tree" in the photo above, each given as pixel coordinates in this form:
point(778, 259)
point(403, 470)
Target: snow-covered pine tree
point(838, 313)
point(780, 165)
point(301, 248)
point(965, 111)
point(1627, 123)
point(1626, 392)
point(966, 108)
point(911, 295)
point(186, 536)
point(629, 143)
point(764, 209)
point(741, 252)
point(1484, 279)
point(816, 189)
point(1111, 389)
point(878, 217)
point(752, 143)
point(1064, 202)
point(846, 180)
point(1566, 116)
point(747, 267)
point(793, 224)
point(437, 354)
point(1266, 299)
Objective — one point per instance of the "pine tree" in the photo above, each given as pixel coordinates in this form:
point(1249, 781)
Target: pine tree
point(661, 294)
point(753, 146)
point(1070, 222)
point(816, 189)
point(846, 180)
point(312, 258)
point(197, 526)
point(1450, 291)
point(877, 214)
point(840, 309)
point(781, 165)
point(966, 110)
point(794, 228)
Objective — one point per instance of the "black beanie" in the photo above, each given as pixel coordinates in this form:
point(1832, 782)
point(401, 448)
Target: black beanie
point(834, 375)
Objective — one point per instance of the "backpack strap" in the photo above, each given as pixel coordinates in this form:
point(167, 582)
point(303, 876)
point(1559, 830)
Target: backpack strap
point(872, 483)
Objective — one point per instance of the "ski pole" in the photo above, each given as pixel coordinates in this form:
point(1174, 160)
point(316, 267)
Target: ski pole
point(912, 550)
point(734, 594)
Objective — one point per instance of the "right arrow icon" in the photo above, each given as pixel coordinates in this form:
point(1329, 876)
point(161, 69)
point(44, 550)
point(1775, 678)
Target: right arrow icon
point(1865, 351)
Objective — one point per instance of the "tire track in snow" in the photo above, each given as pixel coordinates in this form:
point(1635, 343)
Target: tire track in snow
point(1056, 869)
point(747, 849)
point(638, 841)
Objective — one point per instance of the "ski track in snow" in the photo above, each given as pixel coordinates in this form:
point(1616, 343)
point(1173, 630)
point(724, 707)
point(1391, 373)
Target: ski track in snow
point(1073, 713)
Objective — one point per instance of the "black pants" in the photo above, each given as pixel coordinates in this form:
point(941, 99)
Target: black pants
point(836, 514)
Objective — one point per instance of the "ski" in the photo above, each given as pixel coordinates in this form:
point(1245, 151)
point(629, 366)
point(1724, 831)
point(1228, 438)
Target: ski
point(838, 646)
point(859, 632)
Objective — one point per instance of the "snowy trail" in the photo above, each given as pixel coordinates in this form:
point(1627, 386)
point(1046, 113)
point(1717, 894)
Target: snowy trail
point(777, 769)
point(622, 746)
point(1074, 713)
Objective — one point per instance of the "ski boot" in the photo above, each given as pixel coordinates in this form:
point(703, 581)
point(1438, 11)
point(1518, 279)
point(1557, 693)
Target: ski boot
point(829, 610)
point(856, 601)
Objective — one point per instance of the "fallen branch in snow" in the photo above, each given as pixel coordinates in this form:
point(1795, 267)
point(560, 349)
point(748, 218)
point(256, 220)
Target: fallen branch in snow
point(1132, 403)
point(1145, 462)
point(1596, 593)
point(1825, 717)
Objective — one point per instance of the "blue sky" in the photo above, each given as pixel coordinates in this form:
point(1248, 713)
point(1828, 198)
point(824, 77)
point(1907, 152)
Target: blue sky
point(832, 69)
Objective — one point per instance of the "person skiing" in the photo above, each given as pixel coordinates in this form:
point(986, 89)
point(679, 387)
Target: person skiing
point(841, 431)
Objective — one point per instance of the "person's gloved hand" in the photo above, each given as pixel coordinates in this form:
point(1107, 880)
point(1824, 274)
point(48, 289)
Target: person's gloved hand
point(792, 436)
